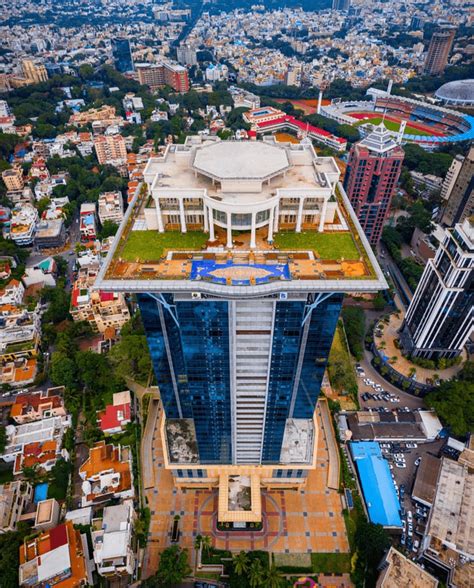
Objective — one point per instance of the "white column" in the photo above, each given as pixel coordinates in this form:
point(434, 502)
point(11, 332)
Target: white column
point(300, 215)
point(211, 224)
point(323, 216)
point(270, 225)
point(229, 230)
point(276, 220)
point(181, 215)
point(252, 233)
point(159, 217)
point(206, 219)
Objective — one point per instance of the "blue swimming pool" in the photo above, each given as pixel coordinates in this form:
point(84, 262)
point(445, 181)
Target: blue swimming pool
point(41, 492)
point(377, 485)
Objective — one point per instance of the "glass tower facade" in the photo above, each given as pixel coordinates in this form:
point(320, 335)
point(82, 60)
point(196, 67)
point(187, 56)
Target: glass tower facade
point(122, 55)
point(193, 346)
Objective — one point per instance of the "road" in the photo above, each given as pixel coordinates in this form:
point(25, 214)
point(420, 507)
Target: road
point(386, 262)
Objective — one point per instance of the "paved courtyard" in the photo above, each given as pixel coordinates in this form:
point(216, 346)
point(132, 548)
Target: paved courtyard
point(294, 522)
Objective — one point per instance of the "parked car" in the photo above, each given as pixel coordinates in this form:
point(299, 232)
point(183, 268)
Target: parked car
point(409, 516)
point(417, 461)
point(401, 464)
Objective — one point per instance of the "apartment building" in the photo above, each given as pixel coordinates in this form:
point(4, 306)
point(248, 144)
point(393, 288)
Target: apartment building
point(110, 150)
point(112, 540)
point(100, 309)
point(87, 222)
point(14, 498)
point(156, 76)
point(12, 293)
point(460, 198)
point(13, 179)
point(20, 332)
point(439, 49)
point(23, 224)
point(111, 207)
point(106, 474)
point(105, 114)
point(39, 455)
point(34, 73)
point(28, 408)
point(58, 557)
point(20, 436)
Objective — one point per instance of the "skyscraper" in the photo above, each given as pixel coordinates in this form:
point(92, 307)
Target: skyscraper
point(438, 51)
point(460, 204)
point(239, 316)
point(341, 4)
point(122, 55)
point(440, 318)
point(372, 174)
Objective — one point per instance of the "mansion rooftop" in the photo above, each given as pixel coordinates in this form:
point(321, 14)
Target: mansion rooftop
point(225, 216)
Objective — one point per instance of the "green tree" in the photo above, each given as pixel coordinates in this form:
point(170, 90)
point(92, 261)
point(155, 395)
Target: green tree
point(454, 404)
point(354, 325)
point(63, 370)
point(172, 569)
point(371, 542)
point(109, 228)
point(272, 578)
point(10, 544)
point(3, 438)
point(206, 544)
point(256, 573)
point(240, 561)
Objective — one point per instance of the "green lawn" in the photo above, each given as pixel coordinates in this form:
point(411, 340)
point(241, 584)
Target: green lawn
point(392, 126)
point(327, 563)
point(150, 245)
point(326, 245)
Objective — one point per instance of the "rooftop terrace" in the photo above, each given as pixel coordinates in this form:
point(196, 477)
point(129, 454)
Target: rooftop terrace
point(308, 233)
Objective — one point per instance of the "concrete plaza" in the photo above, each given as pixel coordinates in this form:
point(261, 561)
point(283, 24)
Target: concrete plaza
point(294, 522)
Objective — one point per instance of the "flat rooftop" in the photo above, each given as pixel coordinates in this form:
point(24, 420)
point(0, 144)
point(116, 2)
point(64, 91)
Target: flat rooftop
point(247, 179)
point(401, 571)
point(379, 493)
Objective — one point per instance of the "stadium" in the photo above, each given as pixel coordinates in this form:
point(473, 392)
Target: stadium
point(426, 124)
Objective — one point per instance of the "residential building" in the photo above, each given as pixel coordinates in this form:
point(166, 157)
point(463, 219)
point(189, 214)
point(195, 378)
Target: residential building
point(132, 102)
point(87, 222)
point(163, 74)
point(114, 418)
point(397, 571)
point(371, 179)
point(106, 474)
point(12, 293)
point(39, 432)
point(20, 332)
point(110, 149)
point(112, 537)
point(36, 406)
point(4, 109)
point(122, 55)
point(451, 177)
point(439, 49)
point(13, 179)
point(14, 498)
point(240, 325)
point(460, 204)
point(426, 184)
point(99, 308)
point(187, 55)
point(440, 317)
point(50, 234)
point(111, 207)
point(447, 542)
point(58, 557)
point(105, 115)
point(293, 75)
point(217, 73)
point(34, 73)
point(19, 372)
point(47, 514)
point(23, 224)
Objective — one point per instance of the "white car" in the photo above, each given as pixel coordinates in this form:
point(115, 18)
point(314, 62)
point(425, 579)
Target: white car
point(400, 464)
point(409, 516)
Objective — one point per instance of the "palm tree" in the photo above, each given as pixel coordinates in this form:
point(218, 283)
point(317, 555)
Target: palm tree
point(272, 578)
point(206, 543)
point(241, 563)
point(197, 542)
point(256, 573)
point(197, 550)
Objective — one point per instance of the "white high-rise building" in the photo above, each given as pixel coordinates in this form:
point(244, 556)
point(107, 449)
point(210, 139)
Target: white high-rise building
point(440, 318)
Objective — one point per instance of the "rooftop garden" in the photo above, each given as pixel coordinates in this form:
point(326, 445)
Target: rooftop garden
point(327, 245)
point(151, 245)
